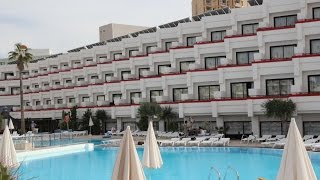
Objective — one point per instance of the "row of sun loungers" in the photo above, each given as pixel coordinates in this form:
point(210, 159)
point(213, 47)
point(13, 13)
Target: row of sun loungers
point(216, 140)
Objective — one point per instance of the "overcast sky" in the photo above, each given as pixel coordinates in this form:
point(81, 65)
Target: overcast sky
point(61, 25)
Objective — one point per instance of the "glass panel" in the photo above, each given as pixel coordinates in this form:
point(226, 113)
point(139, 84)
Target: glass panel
point(291, 20)
point(184, 66)
point(168, 45)
point(280, 21)
point(134, 95)
point(315, 46)
point(251, 56)
point(148, 49)
point(311, 128)
point(212, 90)
point(288, 51)
point(123, 73)
point(131, 52)
point(247, 29)
point(234, 128)
point(273, 87)
point(276, 52)
point(107, 75)
point(210, 62)
point(238, 90)
point(218, 35)
point(204, 92)
point(100, 98)
point(177, 93)
point(85, 99)
point(191, 41)
point(154, 94)
point(314, 83)
point(242, 58)
point(133, 125)
point(72, 100)
point(59, 101)
point(270, 128)
point(285, 86)
point(255, 27)
point(316, 13)
point(161, 68)
point(94, 77)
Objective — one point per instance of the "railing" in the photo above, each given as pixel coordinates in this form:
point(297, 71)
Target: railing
point(216, 171)
point(234, 170)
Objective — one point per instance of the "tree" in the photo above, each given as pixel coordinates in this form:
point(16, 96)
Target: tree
point(63, 124)
point(73, 123)
point(22, 57)
point(279, 109)
point(85, 119)
point(101, 118)
point(147, 111)
point(167, 114)
point(1, 120)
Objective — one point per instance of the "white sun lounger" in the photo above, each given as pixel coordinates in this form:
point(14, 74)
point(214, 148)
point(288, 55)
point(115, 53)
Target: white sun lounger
point(218, 136)
point(209, 142)
point(263, 138)
point(251, 138)
point(278, 137)
point(197, 141)
point(168, 142)
point(222, 142)
point(310, 142)
point(281, 143)
point(182, 142)
point(306, 137)
point(315, 147)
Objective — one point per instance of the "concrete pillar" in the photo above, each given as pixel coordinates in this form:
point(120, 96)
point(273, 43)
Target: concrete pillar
point(299, 123)
point(161, 125)
point(255, 125)
point(220, 122)
point(119, 124)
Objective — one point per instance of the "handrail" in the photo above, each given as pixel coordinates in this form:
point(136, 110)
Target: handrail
point(216, 171)
point(234, 170)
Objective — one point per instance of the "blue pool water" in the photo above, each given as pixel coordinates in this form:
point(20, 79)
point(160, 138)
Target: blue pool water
point(179, 164)
point(63, 142)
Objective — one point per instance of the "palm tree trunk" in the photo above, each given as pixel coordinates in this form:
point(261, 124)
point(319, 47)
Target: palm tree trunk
point(23, 124)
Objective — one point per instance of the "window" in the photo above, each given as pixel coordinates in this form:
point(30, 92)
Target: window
point(134, 95)
point(184, 65)
point(314, 83)
point(80, 79)
point(108, 76)
point(77, 62)
point(116, 96)
point(311, 127)
point(141, 70)
point(100, 98)
point(316, 13)
point(279, 86)
point(37, 103)
point(238, 128)
point(131, 52)
point(15, 90)
point(148, 49)
point(161, 68)
point(250, 28)
point(207, 92)
point(245, 57)
point(72, 100)
point(89, 60)
point(284, 21)
point(286, 51)
point(167, 45)
point(115, 54)
point(191, 40)
point(273, 128)
point(177, 93)
point(48, 101)
point(37, 85)
point(123, 74)
point(28, 103)
point(212, 62)
point(315, 46)
point(86, 99)
point(154, 94)
point(95, 77)
point(240, 90)
point(2, 89)
point(46, 84)
point(218, 35)
point(59, 101)
point(68, 81)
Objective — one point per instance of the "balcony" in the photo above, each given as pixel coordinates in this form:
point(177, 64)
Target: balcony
point(69, 84)
point(48, 106)
point(82, 83)
point(160, 99)
point(112, 79)
point(148, 73)
point(138, 54)
point(118, 102)
point(103, 103)
point(36, 89)
point(60, 106)
point(86, 104)
point(12, 77)
point(139, 100)
point(186, 97)
point(27, 108)
point(72, 104)
point(77, 65)
point(57, 86)
point(91, 63)
point(38, 107)
point(96, 81)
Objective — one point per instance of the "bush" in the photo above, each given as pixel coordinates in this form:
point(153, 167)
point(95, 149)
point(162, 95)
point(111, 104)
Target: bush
point(143, 123)
point(100, 122)
point(5, 173)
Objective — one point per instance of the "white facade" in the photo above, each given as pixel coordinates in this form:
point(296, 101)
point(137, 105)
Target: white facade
point(83, 78)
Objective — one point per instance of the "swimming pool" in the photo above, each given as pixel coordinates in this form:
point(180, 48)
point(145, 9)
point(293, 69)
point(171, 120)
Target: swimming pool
point(179, 163)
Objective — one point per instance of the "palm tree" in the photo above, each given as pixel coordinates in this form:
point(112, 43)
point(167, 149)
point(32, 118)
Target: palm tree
point(167, 114)
point(21, 56)
point(147, 111)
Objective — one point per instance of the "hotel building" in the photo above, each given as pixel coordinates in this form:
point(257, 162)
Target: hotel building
point(219, 67)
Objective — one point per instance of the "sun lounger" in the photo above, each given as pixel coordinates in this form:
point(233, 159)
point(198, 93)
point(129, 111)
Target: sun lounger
point(218, 136)
point(168, 142)
point(315, 147)
point(209, 142)
point(197, 141)
point(222, 142)
point(306, 137)
point(281, 143)
point(251, 138)
point(182, 142)
point(263, 138)
point(278, 137)
point(310, 142)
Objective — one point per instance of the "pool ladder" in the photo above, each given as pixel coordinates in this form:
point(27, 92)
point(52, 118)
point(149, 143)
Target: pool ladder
point(218, 174)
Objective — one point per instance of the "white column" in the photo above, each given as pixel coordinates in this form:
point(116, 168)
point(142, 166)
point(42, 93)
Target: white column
point(299, 124)
point(255, 125)
point(220, 122)
point(119, 124)
point(161, 125)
